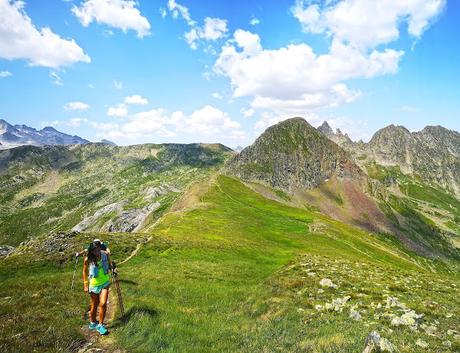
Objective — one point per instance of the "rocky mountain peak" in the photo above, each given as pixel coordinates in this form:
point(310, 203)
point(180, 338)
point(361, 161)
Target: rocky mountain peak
point(440, 133)
point(292, 155)
point(326, 129)
point(392, 132)
point(4, 126)
point(49, 129)
point(338, 137)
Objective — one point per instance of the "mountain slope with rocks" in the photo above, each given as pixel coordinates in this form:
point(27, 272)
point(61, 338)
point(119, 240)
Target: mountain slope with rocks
point(419, 174)
point(311, 169)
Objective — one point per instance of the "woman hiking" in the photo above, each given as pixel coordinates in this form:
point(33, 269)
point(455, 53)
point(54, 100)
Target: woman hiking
point(96, 281)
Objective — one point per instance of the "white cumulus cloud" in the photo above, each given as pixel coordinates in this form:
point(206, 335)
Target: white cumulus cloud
point(20, 39)
point(104, 126)
point(210, 120)
point(367, 23)
point(217, 95)
point(76, 106)
point(136, 99)
point(122, 14)
point(118, 111)
point(269, 118)
point(180, 10)
point(76, 122)
point(212, 29)
point(247, 113)
point(254, 21)
point(293, 78)
point(4, 74)
point(207, 124)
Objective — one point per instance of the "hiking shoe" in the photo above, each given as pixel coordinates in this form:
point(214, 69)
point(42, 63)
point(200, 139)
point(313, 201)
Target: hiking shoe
point(92, 325)
point(101, 329)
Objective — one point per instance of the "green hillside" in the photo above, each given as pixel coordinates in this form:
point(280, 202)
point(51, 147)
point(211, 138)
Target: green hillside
point(431, 213)
point(108, 188)
point(240, 273)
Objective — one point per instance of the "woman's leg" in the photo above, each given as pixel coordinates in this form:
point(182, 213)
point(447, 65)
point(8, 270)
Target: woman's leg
point(94, 305)
point(103, 296)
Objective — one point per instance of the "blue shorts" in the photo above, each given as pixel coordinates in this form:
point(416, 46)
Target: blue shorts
point(98, 289)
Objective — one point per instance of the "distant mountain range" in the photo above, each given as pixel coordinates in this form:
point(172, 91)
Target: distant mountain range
point(432, 154)
point(17, 135)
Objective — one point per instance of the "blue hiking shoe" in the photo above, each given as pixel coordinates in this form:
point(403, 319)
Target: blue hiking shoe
point(92, 325)
point(101, 329)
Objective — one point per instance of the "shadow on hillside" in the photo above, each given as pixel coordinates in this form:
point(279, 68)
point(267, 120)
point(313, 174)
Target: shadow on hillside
point(135, 312)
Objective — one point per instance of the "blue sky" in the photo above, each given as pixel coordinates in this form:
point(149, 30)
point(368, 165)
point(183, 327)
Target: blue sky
point(220, 71)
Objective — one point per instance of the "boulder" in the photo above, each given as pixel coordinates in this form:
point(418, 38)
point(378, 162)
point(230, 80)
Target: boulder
point(421, 343)
point(410, 318)
point(375, 343)
point(6, 250)
point(355, 315)
point(326, 282)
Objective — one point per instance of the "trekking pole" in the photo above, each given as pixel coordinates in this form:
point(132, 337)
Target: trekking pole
point(117, 286)
point(74, 270)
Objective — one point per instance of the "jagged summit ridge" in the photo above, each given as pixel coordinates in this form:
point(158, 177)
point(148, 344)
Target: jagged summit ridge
point(338, 137)
point(290, 155)
point(433, 154)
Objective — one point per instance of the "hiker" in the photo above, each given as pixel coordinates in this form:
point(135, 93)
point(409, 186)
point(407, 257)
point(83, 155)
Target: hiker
point(96, 281)
point(103, 247)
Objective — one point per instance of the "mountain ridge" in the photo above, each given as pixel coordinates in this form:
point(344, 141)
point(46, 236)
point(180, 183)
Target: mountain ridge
point(21, 134)
point(432, 154)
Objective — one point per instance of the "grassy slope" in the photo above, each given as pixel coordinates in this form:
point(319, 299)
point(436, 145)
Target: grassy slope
point(231, 276)
point(232, 280)
point(39, 195)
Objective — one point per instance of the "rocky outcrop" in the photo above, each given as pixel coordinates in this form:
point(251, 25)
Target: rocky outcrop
point(131, 220)
point(326, 129)
point(89, 221)
point(293, 155)
point(153, 192)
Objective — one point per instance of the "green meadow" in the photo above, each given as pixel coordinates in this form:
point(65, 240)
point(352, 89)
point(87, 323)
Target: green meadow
point(239, 273)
